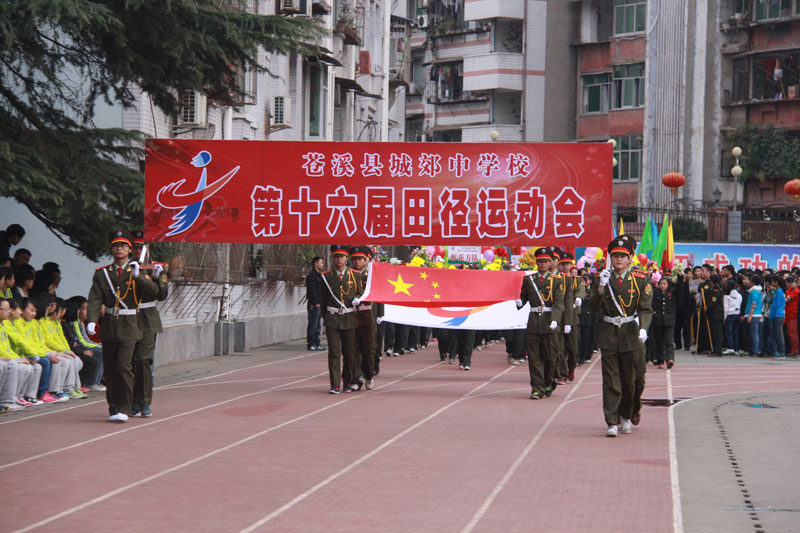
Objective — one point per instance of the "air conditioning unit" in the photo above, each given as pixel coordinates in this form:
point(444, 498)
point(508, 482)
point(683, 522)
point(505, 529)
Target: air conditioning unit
point(281, 111)
point(412, 88)
point(194, 109)
point(422, 21)
point(289, 6)
point(422, 138)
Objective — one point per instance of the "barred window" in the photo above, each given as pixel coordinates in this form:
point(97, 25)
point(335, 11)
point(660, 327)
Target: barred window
point(628, 152)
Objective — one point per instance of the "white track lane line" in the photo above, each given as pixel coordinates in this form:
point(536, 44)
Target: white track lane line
point(139, 426)
point(285, 507)
point(677, 513)
point(207, 455)
point(514, 467)
point(162, 387)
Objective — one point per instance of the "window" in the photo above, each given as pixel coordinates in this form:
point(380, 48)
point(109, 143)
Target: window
point(776, 76)
point(773, 9)
point(740, 7)
point(596, 93)
point(741, 80)
point(630, 16)
point(448, 80)
point(629, 158)
point(628, 86)
point(317, 96)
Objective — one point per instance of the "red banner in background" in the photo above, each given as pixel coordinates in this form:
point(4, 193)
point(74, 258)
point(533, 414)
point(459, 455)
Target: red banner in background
point(393, 193)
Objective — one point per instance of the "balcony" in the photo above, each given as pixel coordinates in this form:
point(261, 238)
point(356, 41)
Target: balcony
point(480, 134)
point(494, 9)
point(451, 114)
point(501, 71)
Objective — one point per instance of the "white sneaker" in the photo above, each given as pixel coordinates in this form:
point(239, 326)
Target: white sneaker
point(613, 431)
point(411, 350)
point(627, 426)
point(13, 407)
point(97, 387)
point(466, 367)
point(461, 367)
point(370, 383)
point(119, 417)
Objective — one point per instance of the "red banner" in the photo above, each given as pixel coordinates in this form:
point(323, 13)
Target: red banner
point(440, 287)
point(393, 193)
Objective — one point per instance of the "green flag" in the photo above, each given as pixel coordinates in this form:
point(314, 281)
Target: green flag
point(646, 244)
point(661, 245)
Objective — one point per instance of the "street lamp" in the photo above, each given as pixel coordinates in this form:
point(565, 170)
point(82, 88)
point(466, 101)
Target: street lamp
point(736, 171)
point(717, 194)
point(613, 144)
point(494, 135)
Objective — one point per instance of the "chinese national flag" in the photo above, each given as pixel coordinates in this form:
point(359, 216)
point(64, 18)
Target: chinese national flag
point(440, 287)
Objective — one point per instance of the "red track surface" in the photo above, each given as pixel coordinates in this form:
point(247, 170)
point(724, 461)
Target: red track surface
point(432, 448)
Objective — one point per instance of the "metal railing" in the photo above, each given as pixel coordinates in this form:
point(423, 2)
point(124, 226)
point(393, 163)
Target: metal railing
point(688, 224)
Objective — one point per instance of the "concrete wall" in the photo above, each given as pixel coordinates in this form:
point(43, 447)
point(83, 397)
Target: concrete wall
point(181, 343)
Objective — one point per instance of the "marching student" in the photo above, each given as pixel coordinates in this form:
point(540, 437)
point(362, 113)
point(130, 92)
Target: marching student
point(365, 331)
point(625, 299)
point(544, 291)
point(663, 324)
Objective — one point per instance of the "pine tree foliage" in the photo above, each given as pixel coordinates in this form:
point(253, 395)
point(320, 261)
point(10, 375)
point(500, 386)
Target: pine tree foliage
point(59, 58)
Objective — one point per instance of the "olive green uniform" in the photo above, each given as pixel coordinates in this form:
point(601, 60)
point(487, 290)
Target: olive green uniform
point(339, 319)
point(619, 342)
point(569, 341)
point(547, 305)
point(119, 329)
point(150, 324)
point(365, 333)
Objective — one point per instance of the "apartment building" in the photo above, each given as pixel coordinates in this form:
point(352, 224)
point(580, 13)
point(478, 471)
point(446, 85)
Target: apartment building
point(482, 66)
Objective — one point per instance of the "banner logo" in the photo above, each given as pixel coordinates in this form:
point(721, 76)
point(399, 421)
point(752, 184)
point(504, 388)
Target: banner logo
point(191, 203)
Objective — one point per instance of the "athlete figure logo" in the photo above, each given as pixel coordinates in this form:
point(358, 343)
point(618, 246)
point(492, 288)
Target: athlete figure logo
point(191, 204)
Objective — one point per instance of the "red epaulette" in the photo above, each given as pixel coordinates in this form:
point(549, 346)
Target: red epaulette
point(326, 272)
point(356, 271)
point(102, 267)
point(639, 275)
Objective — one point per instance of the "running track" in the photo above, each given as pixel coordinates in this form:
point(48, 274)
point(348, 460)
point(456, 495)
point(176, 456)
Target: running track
point(431, 448)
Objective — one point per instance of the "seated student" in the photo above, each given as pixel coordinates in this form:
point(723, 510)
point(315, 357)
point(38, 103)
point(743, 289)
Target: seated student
point(21, 376)
point(6, 282)
point(21, 257)
point(45, 282)
point(50, 326)
point(18, 335)
point(90, 353)
point(29, 327)
point(24, 277)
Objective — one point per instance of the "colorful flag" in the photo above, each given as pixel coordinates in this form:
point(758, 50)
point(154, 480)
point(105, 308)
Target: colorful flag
point(661, 244)
point(646, 244)
point(440, 287)
point(670, 257)
point(621, 227)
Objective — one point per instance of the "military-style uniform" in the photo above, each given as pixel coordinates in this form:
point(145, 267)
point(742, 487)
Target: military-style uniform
point(663, 326)
point(339, 319)
point(365, 332)
point(573, 289)
point(619, 334)
point(115, 287)
point(150, 324)
point(545, 294)
point(716, 316)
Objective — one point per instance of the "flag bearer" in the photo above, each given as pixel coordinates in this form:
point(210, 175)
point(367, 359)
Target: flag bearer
point(365, 332)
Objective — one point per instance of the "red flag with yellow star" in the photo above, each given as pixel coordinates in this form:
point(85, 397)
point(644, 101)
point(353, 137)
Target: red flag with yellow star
point(440, 287)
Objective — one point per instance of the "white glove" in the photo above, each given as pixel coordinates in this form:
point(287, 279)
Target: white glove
point(379, 319)
point(356, 302)
point(578, 302)
point(554, 325)
point(642, 336)
point(157, 269)
point(134, 269)
point(567, 329)
point(90, 328)
point(519, 304)
point(605, 275)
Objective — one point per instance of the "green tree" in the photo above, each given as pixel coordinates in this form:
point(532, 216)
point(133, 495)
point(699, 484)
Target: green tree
point(767, 152)
point(58, 58)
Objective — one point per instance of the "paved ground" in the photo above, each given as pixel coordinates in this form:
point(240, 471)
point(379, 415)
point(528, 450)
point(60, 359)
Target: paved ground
point(253, 442)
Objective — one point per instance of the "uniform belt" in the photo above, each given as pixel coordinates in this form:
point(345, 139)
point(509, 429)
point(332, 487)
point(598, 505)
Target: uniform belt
point(147, 305)
point(123, 312)
point(541, 309)
point(340, 310)
point(365, 307)
point(618, 320)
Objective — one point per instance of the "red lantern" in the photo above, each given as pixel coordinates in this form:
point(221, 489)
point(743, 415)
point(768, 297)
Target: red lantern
point(792, 188)
point(673, 180)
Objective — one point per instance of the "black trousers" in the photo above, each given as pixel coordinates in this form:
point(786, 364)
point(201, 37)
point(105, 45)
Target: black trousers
point(683, 331)
point(663, 339)
point(585, 350)
point(466, 343)
point(717, 332)
point(400, 338)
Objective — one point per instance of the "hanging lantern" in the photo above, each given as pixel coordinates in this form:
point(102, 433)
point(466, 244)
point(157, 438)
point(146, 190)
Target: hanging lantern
point(792, 188)
point(673, 180)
